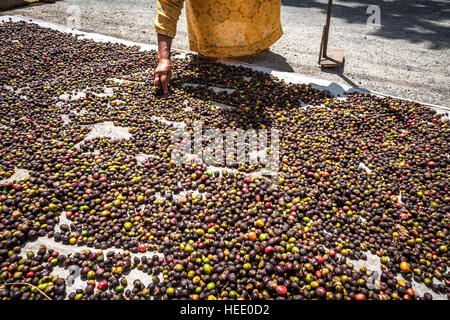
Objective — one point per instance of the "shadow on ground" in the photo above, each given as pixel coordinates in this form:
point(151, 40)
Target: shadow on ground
point(413, 20)
point(269, 58)
point(339, 71)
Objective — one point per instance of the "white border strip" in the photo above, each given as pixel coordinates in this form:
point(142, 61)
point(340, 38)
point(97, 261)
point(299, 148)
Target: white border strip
point(337, 89)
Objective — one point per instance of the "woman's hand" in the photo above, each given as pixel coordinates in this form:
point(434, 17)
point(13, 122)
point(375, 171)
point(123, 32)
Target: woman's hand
point(162, 74)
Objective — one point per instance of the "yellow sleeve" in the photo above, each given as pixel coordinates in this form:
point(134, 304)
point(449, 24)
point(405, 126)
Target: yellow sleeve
point(168, 12)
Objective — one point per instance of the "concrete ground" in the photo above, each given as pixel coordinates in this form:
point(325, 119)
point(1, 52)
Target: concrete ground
point(407, 57)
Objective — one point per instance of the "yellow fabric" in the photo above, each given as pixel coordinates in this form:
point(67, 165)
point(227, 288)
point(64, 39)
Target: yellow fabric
point(226, 28)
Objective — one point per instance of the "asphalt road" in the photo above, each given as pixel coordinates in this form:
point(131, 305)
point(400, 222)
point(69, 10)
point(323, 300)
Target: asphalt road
point(407, 56)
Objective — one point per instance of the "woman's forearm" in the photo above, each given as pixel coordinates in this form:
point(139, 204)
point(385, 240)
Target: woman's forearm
point(164, 67)
point(164, 44)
